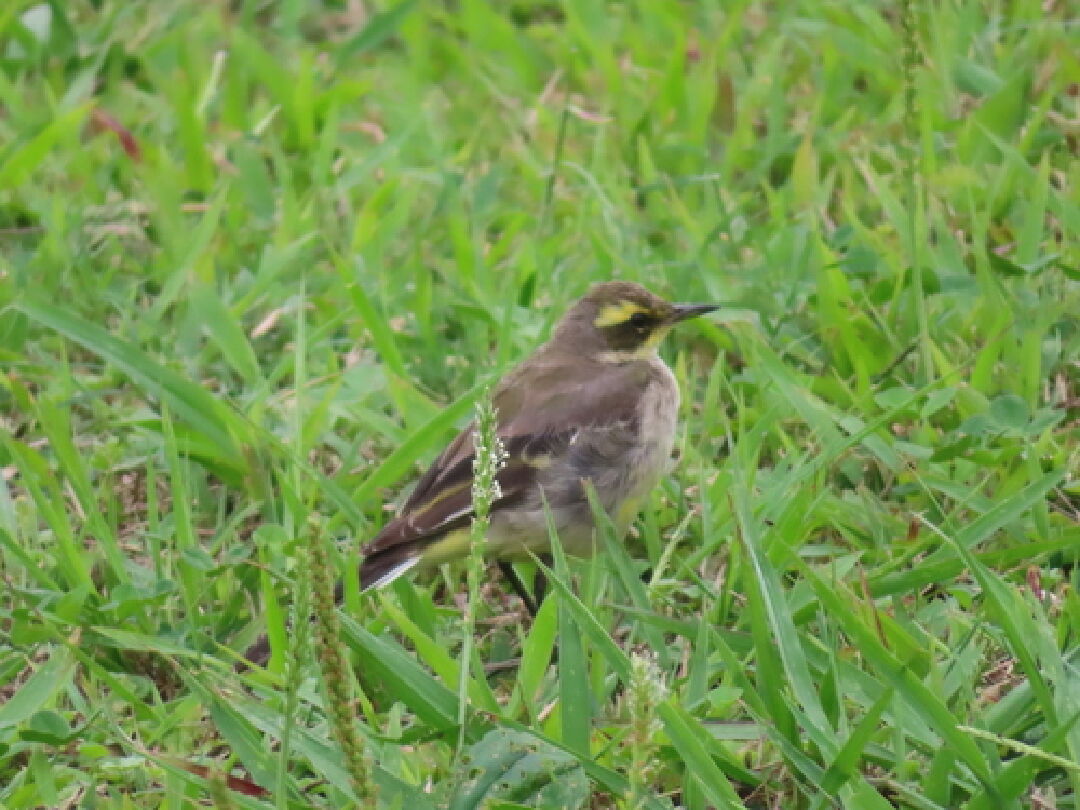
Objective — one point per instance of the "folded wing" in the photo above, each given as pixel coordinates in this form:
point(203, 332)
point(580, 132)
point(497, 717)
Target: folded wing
point(538, 422)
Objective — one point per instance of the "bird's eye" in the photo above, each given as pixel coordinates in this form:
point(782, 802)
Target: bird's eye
point(639, 320)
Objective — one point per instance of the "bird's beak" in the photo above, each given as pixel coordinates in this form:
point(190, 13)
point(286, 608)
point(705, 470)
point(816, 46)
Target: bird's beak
point(684, 311)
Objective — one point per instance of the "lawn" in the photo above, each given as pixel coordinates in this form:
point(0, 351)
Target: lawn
point(259, 261)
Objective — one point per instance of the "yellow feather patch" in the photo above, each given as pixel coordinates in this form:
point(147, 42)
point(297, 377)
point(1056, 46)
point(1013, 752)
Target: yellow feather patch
point(442, 496)
point(626, 512)
point(455, 544)
point(646, 351)
point(541, 461)
point(612, 314)
point(656, 337)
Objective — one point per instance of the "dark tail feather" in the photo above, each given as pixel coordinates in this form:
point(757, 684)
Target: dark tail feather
point(257, 655)
point(384, 566)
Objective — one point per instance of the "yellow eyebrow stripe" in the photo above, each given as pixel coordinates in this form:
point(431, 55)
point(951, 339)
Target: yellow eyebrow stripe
point(439, 497)
point(621, 312)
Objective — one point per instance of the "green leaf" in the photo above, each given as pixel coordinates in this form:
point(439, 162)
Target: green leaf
point(242, 738)
point(19, 163)
point(397, 672)
point(1015, 619)
point(845, 765)
point(916, 694)
point(586, 621)
point(1016, 777)
point(514, 766)
point(226, 332)
point(536, 652)
point(944, 562)
point(377, 324)
point(575, 700)
point(784, 635)
point(436, 656)
point(50, 677)
point(620, 560)
point(395, 465)
point(325, 757)
point(1010, 412)
point(381, 26)
point(184, 398)
point(49, 728)
point(140, 642)
point(687, 737)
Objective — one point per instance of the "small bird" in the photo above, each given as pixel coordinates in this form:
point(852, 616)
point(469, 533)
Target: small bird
point(596, 404)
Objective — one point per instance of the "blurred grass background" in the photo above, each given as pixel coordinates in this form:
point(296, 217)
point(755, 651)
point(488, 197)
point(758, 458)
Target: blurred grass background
point(258, 258)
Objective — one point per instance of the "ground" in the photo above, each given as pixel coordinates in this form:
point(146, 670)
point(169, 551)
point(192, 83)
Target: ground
point(259, 260)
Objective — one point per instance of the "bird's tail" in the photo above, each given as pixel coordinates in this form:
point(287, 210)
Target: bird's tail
point(383, 567)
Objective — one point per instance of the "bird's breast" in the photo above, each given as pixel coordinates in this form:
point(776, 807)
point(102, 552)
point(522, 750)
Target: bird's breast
point(659, 412)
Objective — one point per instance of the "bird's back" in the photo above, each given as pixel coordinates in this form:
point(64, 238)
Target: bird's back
point(563, 420)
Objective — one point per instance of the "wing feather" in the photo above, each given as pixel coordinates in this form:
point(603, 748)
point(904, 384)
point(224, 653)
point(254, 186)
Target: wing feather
point(541, 408)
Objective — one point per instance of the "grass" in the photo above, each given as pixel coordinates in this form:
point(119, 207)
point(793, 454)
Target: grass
point(257, 261)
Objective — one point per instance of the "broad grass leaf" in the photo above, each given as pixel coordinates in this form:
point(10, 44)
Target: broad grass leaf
point(187, 400)
point(38, 690)
point(515, 766)
point(402, 677)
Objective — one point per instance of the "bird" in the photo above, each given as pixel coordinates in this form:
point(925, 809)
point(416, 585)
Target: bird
point(595, 406)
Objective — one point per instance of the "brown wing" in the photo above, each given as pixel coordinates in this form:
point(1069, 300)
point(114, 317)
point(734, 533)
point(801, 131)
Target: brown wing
point(540, 408)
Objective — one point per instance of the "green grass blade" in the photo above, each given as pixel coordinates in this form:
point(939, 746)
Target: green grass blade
point(391, 667)
point(186, 399)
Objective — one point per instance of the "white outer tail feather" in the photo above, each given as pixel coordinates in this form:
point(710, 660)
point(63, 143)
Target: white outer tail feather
point(395, 572)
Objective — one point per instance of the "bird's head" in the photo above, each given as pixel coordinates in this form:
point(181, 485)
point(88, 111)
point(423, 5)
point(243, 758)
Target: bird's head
point(618, 321)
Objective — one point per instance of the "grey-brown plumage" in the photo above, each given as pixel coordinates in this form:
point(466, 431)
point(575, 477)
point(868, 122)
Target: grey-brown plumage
point(595, 403)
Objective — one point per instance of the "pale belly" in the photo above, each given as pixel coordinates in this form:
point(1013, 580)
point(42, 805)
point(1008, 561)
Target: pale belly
point(623, 490)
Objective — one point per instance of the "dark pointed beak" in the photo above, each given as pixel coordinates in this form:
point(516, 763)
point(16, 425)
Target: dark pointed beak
point(684, 311)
